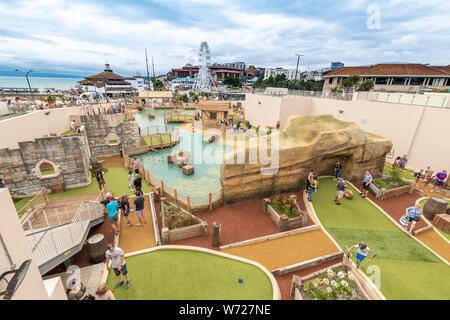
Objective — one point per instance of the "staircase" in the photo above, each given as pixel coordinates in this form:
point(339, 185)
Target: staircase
point(53, 245)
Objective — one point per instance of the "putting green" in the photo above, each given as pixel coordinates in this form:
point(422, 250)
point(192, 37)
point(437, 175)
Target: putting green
point(407, 269)
point(176, 274)
point(116, 181)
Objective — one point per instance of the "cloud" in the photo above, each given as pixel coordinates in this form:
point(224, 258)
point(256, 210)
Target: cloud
point(79, 36)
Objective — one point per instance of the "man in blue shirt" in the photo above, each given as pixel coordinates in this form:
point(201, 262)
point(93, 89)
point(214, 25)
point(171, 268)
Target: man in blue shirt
point(112, 209)
point(413, 214)
point(365, 184)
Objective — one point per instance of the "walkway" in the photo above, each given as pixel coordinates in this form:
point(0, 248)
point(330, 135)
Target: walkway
point(407, 270)
point(137, 238)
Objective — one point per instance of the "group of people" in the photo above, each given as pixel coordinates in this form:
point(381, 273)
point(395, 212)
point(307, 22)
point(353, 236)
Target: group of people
point(312, 183)
point(77, 290)
point(426, 177)
point(401, 162)
point(116, 108)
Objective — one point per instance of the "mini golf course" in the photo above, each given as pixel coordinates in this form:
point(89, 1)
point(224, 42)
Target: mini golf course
point(407, 269)
point(176, 274)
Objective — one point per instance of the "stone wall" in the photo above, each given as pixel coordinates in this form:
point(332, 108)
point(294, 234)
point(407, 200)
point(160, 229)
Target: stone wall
point(19, 168)
point(100, 129)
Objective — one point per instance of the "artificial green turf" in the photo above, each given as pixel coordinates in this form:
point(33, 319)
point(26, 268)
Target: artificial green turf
point(116, 181)
point(412, 280)
point(408, 270)
point(47, 172)
point(191, 275)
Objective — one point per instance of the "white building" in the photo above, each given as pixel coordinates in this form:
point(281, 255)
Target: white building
point(273, 72)
point(312, 75)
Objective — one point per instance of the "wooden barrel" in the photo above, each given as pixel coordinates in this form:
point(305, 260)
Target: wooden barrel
point(434, 205)
point(97, 247)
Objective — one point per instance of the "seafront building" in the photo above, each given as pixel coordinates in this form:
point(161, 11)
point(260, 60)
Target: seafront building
point(273, 72)
point(110, 84)
point(407, 77)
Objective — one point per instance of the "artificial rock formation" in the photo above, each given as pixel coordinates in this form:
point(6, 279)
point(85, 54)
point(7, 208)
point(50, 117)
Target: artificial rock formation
point(305, 143)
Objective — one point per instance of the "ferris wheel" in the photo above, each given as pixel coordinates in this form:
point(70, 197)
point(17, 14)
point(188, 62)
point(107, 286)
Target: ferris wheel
point(203, 77)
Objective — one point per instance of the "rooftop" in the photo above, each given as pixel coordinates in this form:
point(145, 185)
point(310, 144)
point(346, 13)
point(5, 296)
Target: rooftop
point(405, 69)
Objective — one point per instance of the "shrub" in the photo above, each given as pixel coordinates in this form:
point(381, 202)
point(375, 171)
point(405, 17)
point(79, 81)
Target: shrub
point(286, 205)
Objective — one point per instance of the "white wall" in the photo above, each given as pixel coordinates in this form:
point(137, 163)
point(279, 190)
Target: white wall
point(4, 107)
point(423, 133)
point(32, 287)
point(35, 125)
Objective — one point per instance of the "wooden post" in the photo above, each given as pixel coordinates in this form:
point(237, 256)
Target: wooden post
point(162, 188)
point(188, 203)
point(175, 192)
point(31, 204)
point(221, 194)
point(148, 133)
point(46, 198)
point(210, 201)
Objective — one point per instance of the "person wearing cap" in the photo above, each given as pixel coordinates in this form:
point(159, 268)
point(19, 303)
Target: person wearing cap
point(112, 209)
point(362, 253)
point(441, 178)
point(77, 291)
point(117, 257)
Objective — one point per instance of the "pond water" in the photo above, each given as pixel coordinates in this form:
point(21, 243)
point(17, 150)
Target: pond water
point(205, 158)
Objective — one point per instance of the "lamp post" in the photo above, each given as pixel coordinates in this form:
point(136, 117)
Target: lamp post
point(298, 59)
point(29, 85)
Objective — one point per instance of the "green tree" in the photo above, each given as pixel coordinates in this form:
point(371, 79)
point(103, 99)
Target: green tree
point(366, 85)
point(350, 82)
point(183, 98)
point(50, 100)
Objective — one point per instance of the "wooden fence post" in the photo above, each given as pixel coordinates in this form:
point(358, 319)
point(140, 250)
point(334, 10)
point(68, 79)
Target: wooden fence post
point(188, 203)
point(175, 192)
point(46, 197)
point(148, 133)
point(210, 201)
point(162, 188)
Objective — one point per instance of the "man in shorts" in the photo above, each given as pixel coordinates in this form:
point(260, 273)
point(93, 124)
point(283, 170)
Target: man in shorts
point(340, 191)
point(112, 209)
point(362, 253)
point(99, 177)
point(137, 182)
point(117, 257)
point(139, 203)
point(365, 184)
point(413, 214)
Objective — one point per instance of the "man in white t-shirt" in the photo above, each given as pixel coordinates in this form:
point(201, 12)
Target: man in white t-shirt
point(117, 257)
point(362, 253)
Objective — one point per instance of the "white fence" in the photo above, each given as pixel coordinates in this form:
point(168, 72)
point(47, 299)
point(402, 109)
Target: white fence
point(52, 242)
point(441, 101)
point(313, 94)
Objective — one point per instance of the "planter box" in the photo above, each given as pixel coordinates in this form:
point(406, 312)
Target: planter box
point(195, 230)
point(297, 290)
point(383, 194)
point(282, 221)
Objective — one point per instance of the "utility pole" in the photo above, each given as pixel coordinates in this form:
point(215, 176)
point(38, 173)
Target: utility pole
point(153, 65)
point(298, 59)
point(148, 74)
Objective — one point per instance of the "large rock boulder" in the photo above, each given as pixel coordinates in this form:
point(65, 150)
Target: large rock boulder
point(305, 143)
point(433, 206)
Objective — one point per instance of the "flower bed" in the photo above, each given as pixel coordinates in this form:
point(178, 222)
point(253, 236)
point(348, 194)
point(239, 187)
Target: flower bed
point(335, 283)
point(285, 212)
point(179, 224)
point(391, 185)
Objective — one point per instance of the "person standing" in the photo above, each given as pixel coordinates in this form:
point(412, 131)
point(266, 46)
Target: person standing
point(365, 184)
point(362, 253)
point(413, 214)
point(137, 183)
point(102, 293)
point(131, 179)
point(340, 191)
point(313, 187)
point(309, 179)
point(441, 178)
point(99, 176)
point(124, 206)
point(337, 170)
point(112, 209)
point(139, 203)
point(278, 125)
point(135, 164)
point(117, 258)
point(73, 127)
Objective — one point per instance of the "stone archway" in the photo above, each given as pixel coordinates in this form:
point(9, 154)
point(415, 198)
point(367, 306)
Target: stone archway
point(112, 139)
point(46, 169)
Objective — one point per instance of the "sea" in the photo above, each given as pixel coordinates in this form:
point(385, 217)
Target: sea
point(38, 82)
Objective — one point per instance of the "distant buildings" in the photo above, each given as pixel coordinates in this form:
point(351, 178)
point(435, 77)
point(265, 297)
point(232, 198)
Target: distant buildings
point(312, 75)
point(273, 72)
point(336, 65)
point(183, 83)
point(394, 77)
point(236, 65)
point(108, 83)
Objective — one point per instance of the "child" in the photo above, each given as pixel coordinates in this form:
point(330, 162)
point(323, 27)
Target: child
point(419, 175)
point(362, 253)
point(124, 206)
point(131, 179)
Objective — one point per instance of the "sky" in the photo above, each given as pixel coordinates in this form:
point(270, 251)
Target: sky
point(78, 37)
